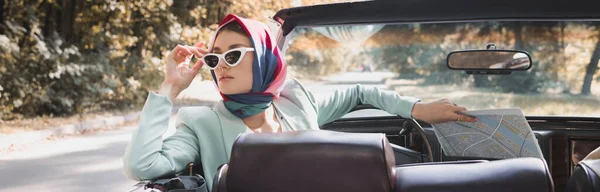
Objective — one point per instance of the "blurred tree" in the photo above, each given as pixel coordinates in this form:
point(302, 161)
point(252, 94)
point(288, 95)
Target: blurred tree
point(61, 57)
point(419, 51)
point(592, 66)
point(541, 40)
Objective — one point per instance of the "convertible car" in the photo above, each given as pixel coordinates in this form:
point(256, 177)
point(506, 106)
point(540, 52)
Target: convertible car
point(552, 80)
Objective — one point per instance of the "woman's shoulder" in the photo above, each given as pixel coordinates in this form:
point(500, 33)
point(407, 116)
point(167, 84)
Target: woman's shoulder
point(199, 110)
point(293, 85)
point(297, 93)
point(197, 116)
point(211, 123)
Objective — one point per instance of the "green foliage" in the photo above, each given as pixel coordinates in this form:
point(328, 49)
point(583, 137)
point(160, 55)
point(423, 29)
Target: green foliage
point(61, 57)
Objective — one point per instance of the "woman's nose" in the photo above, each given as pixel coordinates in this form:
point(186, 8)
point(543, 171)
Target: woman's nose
point(222, 64)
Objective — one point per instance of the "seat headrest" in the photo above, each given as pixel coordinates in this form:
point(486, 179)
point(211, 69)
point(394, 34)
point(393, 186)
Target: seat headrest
point(592, 161)
point(594, 155)
point(515, 175)
point(314, 160)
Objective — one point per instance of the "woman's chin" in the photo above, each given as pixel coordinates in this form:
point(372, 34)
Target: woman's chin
point(225, 92)
point(232, 92)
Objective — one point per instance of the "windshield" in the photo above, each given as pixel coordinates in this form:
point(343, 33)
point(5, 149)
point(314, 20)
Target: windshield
point(411, 60)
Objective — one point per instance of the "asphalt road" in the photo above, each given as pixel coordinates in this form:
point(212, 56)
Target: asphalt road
point(93, 162)
point(81, 163)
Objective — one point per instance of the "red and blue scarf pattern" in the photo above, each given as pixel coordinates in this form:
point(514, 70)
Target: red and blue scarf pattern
point(269, 70)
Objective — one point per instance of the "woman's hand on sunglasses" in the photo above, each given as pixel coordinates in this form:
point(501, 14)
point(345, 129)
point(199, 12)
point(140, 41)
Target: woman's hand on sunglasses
point(179, 74)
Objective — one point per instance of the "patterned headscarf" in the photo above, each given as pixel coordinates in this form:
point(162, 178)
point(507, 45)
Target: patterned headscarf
point(268, 69)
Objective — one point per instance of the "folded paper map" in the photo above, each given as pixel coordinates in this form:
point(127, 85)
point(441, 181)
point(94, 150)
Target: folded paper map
point(498, 133)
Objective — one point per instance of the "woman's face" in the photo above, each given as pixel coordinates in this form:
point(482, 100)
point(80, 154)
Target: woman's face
point(238, 79)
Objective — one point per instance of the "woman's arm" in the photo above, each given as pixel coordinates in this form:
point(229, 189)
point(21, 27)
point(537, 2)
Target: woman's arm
point(147, 155)
point(337, 104)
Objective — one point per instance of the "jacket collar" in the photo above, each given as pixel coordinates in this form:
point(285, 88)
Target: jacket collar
point(232, 126)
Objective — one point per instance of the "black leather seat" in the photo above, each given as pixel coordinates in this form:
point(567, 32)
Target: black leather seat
point(316, 161)
point(333, 161)
point(585, 176)
point(515, 175)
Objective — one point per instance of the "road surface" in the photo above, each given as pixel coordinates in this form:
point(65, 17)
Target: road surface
point(83, 163)
point(93, 162)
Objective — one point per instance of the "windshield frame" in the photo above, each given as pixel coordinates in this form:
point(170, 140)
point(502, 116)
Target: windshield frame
point(412, 12)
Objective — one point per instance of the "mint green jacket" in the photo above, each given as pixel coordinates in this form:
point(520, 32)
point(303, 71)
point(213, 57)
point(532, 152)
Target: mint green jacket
point(207, 135)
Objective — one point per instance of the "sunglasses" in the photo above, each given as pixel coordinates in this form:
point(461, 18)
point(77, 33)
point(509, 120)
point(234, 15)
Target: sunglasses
point(232, 57)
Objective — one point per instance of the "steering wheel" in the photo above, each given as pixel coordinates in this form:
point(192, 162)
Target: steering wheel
point(407, 127)
point(411, 124)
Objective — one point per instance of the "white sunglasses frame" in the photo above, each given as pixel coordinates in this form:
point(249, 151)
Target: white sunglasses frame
point(221, 56)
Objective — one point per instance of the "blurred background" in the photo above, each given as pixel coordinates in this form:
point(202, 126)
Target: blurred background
point(62, 57)
point(87, 66)
point(563, 79)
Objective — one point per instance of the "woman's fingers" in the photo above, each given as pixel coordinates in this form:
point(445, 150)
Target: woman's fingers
point(176, 56)
point(197, 66)
point(186, 62)
point(457, 108)
point(180, 53)
point(468, 118)
point(199, 44)
point(198, 52)
point(458, 114)
point(442, 111)
point(187, 51)
point(183, 49)
point(183, 55)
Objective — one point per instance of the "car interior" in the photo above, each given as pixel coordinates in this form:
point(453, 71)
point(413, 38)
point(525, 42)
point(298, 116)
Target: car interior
point(336, 161)
point(391, 153)
point(584, 176)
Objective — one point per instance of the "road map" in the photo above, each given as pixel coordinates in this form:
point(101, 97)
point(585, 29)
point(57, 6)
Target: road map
point(499, 133)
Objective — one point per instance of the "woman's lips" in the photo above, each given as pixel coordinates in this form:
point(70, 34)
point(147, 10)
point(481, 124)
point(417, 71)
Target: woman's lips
point(225, 78)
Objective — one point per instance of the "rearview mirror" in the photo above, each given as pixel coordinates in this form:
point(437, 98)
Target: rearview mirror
point(489, 60)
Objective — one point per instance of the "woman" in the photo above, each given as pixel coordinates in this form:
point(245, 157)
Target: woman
point(250, 72)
